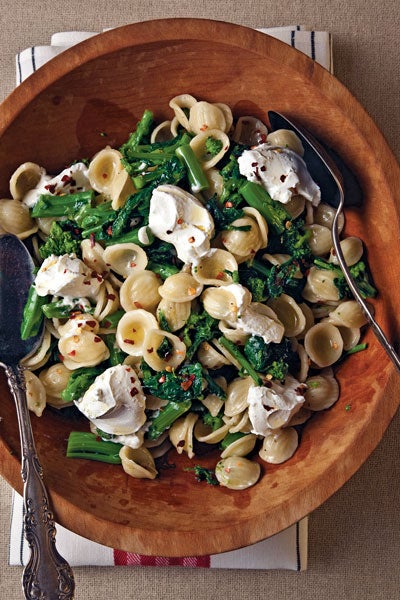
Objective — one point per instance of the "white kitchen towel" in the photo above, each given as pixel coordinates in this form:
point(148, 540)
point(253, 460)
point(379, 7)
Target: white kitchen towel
point(316, 44)
point(285, 550)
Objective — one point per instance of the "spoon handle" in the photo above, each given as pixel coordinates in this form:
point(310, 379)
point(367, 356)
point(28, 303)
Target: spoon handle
point(47, 575)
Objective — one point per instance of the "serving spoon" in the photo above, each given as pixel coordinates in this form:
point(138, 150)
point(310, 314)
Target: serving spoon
point(339, 188)
point(47, 575)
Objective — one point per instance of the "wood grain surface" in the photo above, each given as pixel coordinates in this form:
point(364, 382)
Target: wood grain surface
point(103, 85)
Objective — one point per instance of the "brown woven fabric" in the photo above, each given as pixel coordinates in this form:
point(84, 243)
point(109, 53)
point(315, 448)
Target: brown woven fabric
point(354, 537)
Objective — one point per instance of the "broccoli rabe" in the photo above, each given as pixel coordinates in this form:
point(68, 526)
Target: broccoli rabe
point(280, 279)
point(200, 327)
point(359, 273)
point(185, 383)
point(62, 239)
point(162, 259)
point(166, 417)
point(273, 212)
point(223, 214)
point(295, 241)
point(232, 179)
point(83, 444)
point(271, 359)
point(213, 422)
point(32, 318)
point(49, 205)
point(79, 381)
point(204, 474)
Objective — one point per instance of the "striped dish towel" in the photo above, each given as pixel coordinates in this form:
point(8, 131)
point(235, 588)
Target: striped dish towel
point(285, 550)
point(316, 44)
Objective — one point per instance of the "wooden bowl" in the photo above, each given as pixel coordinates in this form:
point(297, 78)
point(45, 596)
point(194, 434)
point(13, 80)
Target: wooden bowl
point(103, 85)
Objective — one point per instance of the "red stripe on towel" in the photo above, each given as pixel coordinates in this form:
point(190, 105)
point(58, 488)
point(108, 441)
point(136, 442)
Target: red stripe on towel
point(122, 558)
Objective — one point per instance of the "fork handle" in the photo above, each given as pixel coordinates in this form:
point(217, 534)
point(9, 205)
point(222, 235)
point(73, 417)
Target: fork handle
point(47, 575)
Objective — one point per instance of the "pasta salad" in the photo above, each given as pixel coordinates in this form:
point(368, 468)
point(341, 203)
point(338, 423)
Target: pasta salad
point(189, 292)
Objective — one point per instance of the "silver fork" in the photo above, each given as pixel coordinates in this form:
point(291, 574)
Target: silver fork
point(278, 120)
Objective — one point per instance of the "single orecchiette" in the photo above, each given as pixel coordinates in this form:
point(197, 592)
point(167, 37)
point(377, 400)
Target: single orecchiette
point(215, 268)
point(241, 446)
point(25, 178)
point(237, 473)
point(278, 446)
point(159, 358)
point(285, 138)
point(198, 145)
point(179, 104)
point(132, 329)
point(15, 218)
point(175, 313)
point(35, 393)
point(125, 259)
point(138, 462)
point(349, 314)
point(243, 239)
point(236, 395)
point(323, 344)
point(352, 249)
point(54, 380)
point(92, 256)
point(107, 176)
point(226, 302)
point(140, 290)
point(320, 286)
point(324, 215)
point(210, 357)
point(250, 131)
point(289, 313)
point(322, 391)
point(82, 348)
point(181, 434)
point(180, 287)
point(321, 239)
point(205, 116)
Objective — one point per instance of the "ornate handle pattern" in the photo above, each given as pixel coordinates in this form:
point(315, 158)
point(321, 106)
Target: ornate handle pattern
point(47, 576)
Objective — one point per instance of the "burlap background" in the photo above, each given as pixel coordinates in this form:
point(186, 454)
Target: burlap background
point(354, 537)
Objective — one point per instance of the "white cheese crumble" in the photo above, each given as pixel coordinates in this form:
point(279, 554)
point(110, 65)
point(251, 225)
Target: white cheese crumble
point(258, 319)
point(66, 276)
point(265, 401)
point(281, 171)
point(179, 218)
point(70, 181)
point(115, 402)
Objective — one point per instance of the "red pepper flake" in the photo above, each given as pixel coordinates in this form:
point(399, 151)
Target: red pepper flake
point(138, 305)
point(150, 350)
point(86, 283)
point(132, 265)
point(228, 204)
point(68, 180)
point(92, 240)
point(60, 358)
point(181, 443)
point(220, 275)
point(263, 138)
point(133, 380)
point(97, 339)
point(185, 385)
point(104, 175)
point(282, 178)
point(191, 240)
point(134, 391)
point(204, 127)
point(91, 323)
point(107, 324)
point(109, 230)
point(162, 379)
point(110, 297)
point(263, 168)
point(180, 221)
point(50, 187)
point(129, 341)
point(72, 353)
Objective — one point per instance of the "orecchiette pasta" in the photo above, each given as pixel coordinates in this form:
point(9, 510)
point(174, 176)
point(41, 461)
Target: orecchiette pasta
point(180, 309)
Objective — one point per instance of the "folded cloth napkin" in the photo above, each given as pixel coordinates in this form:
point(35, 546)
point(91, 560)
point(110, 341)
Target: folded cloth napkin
point(285, 550)
point(316, 44)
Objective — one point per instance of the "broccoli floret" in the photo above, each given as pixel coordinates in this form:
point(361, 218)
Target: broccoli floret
point(272, 359)
point(254, 281)
point(170, 171)
point(60, 241)
point(213, 146)
point(359, 273)
point(200, 327)
point(295, 241)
